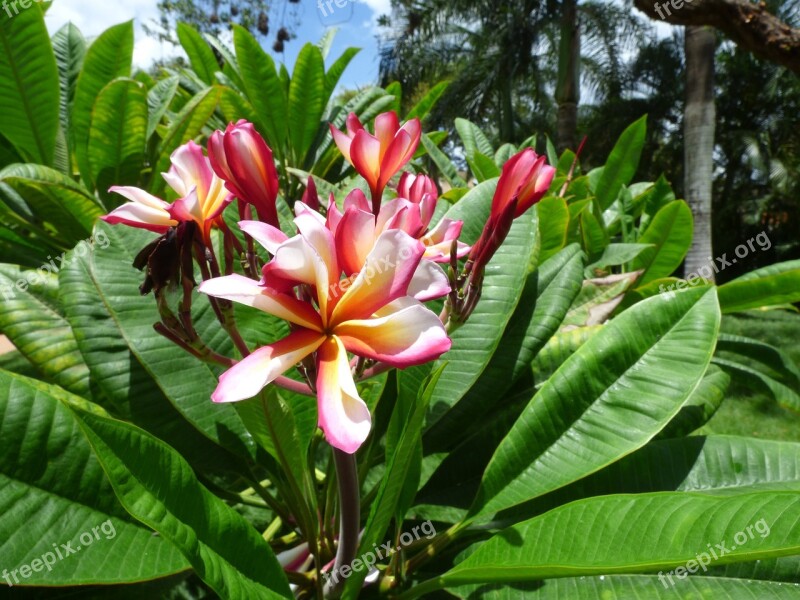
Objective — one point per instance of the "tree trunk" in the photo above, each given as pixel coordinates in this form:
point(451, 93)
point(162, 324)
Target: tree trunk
point(698, 126)
point(749, 24)
point(568, 90)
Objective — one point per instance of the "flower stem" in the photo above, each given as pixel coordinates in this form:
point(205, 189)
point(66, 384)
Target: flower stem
point(349, 518)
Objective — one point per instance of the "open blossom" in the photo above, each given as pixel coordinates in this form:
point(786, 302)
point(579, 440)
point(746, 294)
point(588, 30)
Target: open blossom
point(371, 314)
point(202, 197)
point(242, 158)
point(377, 158)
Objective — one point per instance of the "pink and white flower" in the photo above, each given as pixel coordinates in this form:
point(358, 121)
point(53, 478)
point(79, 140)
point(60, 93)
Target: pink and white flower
point(371, 314)
point(202, 197)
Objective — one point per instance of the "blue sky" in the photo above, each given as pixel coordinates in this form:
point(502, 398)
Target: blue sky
point(356, 21)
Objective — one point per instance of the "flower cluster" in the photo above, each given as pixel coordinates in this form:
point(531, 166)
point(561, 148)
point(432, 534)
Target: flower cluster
point(350, 281)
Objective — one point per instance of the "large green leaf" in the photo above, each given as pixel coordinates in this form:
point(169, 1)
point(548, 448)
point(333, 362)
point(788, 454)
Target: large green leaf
point(644, 533)
point(627, 587)
point(670, 232)
point(553, 225)
point(66, 207)
point(474, 140)
point(546, 298)
point(108, 57)
point(118, 372)
point(475, 342)
point(607, 400)
point(422, 108)
point(622, 164)
point(117, 134)
point(159, 97)
point(701, 406)
point(337, 69)
point(53, 492)
point(69, 48)
point(187, 125)
point(263, 88)
point(201, 56)
point(28, 85)
point(43, 336)
point(769, 286)
point(392, 483)
point(159, 488)
point(442, 162)
point(185, 381)
point(720, 465)
point(307, 100)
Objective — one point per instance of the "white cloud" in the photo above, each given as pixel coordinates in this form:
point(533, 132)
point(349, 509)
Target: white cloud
point(379, 7)
point(93, 17)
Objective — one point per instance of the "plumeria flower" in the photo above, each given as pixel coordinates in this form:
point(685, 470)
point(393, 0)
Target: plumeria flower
point(370, 314)
point(202, 197)
point(526, 178)
point(242, 158)
point(377, 158)
point(357, 229)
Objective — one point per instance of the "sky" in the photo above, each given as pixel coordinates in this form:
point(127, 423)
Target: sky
point(356, 21)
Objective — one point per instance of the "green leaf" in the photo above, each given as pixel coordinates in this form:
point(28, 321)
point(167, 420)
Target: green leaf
point(616, 255)
point(425, 105)
point(637, 534)
point(117, 135)
point(593, 235)
point(68, 209)
point(475, 342)
point(670, 232)
point(307, 100)
point(187, 125)
point(185, 381)
point(53, 491)
point(225, 551)
point(42, 335)
point(263, 88)
point(553, 226)
point(158, 100)
point(622, 164)
point(625, 587)
point(560, 347)
point(473, 138)
point(701, 406)
point(29, 94)
point(201, 57)
point(756, 379)
point(334, 74)
point(547, 296)
point(483, 167)
point(598, 299)
point(719, 465)
point(442, 162)
point(769, 286)
point(638, 370)
point(108, 57)
point(69, 48)
point(392, 483)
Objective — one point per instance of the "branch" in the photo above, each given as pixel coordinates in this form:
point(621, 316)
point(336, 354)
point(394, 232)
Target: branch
point(748, 24)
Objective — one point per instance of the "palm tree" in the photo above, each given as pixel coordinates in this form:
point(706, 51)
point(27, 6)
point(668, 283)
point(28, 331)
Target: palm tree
point(503, 59)
point(699, 123)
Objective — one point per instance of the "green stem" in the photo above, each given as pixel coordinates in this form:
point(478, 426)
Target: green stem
point(349, 518)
